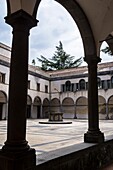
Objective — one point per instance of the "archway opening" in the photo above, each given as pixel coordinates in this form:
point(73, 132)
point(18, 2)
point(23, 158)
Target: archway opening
point(102, 107)
point(68, 108)
point(37, 107)
point(45, 108)
point(110, 107)
point(3, 101)
point(28, 110)
point(55, 105)
point(82, 108)
point(54, 27)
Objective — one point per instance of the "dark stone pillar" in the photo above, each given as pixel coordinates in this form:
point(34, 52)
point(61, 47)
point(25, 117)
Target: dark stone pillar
point(94, 134)
point(16, 153)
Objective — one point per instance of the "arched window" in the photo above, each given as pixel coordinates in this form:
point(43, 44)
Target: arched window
point(99, 83)
point(82, 84)
point(68, 86)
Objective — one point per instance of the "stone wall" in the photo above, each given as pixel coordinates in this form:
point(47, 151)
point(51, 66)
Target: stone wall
point(78, 157)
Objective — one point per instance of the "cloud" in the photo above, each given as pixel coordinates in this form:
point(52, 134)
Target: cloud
point(55, 24)
point(5, 29)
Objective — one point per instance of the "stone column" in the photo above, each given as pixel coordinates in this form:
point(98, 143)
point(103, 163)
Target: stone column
point(107, 111)
point(75, 116)
point(41, 110)
point(16, 151)
point(94, 134)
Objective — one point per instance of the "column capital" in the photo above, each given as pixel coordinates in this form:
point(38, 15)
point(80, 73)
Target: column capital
point(92, 59)
point(18, 18)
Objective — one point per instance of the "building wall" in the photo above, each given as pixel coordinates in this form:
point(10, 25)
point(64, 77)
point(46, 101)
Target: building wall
point(60, 91)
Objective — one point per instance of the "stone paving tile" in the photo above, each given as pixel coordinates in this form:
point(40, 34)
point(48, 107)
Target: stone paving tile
point(49, 137)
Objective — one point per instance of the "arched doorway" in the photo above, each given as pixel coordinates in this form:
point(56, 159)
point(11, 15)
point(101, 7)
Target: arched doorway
point(102, 107)
point(82, 108)
point(37, 107)
point(29, 103)
point(68, 108)
point(3, 101)
point(45, 108)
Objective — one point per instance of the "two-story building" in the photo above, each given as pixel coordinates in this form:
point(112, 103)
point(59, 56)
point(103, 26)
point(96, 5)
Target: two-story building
point(58, 91)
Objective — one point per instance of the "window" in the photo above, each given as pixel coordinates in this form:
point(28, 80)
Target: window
point(87, 85)
point(62, 88)
point(111, 82)
point(38, 86)
point(46, 89)
point(2, 78)
point(28, 84)
point(68, 85)
point(72, 87)
point(103, 84)
point(82, 84)
point(77, 86)
point(99, 83)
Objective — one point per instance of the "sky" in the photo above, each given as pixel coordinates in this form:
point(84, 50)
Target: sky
point(55, 24)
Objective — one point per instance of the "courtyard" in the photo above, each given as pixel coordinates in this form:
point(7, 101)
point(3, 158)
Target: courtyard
point(50, 137)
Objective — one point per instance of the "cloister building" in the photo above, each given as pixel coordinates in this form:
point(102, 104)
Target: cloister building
point(58, 91)
point(70, 91)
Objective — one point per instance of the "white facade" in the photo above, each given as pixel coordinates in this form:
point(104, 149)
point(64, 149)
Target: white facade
point(66, 89)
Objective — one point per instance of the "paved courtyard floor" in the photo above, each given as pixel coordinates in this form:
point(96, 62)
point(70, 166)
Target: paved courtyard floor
point(49, 137)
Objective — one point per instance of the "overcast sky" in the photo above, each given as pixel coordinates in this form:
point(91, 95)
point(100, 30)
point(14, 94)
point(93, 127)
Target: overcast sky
point(55, 24)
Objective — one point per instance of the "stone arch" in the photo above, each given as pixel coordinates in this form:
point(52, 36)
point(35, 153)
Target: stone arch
point(3, 97)
point(29, 103)
point(68, 108)
point(80, 18)
point(29, 100)
point(37, 101)
point(82, 108)
point(102, 107)
point(45, 108)
point(82, 22)
point(110, 107)
point(55, 105)
point(37, 107)
point(3, 105)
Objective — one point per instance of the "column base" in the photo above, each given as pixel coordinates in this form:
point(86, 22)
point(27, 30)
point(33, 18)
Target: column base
point(94, 137)
point(17, 161)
